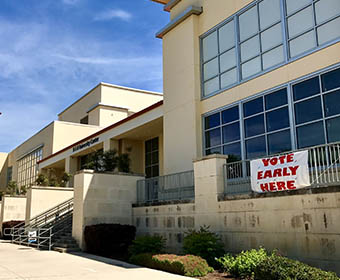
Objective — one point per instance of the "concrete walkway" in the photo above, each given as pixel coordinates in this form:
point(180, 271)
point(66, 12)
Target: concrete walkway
point(19, 262)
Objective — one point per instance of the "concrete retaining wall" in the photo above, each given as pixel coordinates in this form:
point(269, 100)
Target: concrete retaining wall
point(12, 209)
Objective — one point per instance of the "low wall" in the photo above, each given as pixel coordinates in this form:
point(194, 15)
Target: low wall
point(41, 199)
point(12, 209)
point(102, 198)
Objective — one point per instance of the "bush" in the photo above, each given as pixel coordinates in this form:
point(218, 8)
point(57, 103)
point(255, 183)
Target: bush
point(109, 240)
point(147, 244)
point(244, 264)
point(276, 267)
point(188, 265)
point(205, 244)
point(9, 224)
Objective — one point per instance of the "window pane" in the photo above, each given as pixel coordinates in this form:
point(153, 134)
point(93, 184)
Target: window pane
point(148, 159)
point(329, 31)
point(293, 5)
point(211, 86)
point(154, 158)
point(302, 21)
point(254, 126)
point(148, 146)
point(310, 135)
point(229, 78)
point(251, 67)
point(271, 37)
point(332, 103)
point(210, 69)
point(228, 60)
point(155, 144)
point(248, 23)
point(227, 36)
point(326, 9)
point(276, 99)
point(231, 132)
point(333, 130)
point(230, 115)
point(250, 48)
point(269, 12)
point(155, 171)
point(277, 119)
point(253, 107)
point(256, 147)
point(210, 46)
point(213, 137)
point(331, 80)
point(279, 142)
point(216, 150)
point(233, 152)
point(273, 57)
point(302, 44)
point(306, 88)
point(212, 121)
point(308, 110)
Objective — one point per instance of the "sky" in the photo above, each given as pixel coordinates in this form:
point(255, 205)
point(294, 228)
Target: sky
point(54, 51)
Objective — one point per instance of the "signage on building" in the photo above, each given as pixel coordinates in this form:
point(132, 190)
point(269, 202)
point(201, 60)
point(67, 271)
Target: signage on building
point(280, 173)
point(86, 144)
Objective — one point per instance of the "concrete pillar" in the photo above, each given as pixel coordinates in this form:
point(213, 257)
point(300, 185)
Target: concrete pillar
point(209, 184)
point(110, 144)
point(71, 166)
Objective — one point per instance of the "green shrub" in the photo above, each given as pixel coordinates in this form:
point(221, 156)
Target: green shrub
point(147, 244)
point(205, 244)
point(244, 264)
point(188, 265)
point(276, 267)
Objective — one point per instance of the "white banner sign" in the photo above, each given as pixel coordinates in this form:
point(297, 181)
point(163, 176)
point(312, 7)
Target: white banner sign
point(281, 173)
point(32, 236)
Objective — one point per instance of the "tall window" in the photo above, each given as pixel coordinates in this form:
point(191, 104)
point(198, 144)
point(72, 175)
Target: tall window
point(9, 174)
point(152, 158)
point(27, 168)
point(267, 34)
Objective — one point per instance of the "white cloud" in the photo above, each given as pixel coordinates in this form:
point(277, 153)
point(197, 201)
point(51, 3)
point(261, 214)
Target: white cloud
point(112, 14)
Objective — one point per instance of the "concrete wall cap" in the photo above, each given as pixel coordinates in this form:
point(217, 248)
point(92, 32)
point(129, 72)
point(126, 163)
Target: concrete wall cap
point(51, 188)
point(90, 171)
point(211, 157)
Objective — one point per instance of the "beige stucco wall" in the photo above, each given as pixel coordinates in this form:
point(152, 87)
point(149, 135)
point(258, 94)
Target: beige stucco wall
point(3, 170)
point(102, 198)
point(12, 209)
point(41, 199)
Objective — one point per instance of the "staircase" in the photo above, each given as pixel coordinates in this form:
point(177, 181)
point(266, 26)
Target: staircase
point(51, 230)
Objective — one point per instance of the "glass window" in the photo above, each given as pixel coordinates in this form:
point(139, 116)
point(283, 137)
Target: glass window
point(229, 78)
point(231, 132)
point(333, 130)
point(210, 69)
point(151, 158)
point(276, 99)
point(213, 137)
point(329, 31)
point(253, 107)
point(216, 150)
point(250, 48)
point(256, 147)
point(272, 37)
point(251, 67)
point(279, 142)
point(308, 110)
point(227, 36)
point(310, 135)
point(230, 115)
point(326, 9)
point(27, 171)
point(331, 80)
point(332, 103)
point(211, 86)
point(248, 23)
point(269, 12)
point(228, 60)
point(210, 48)
point(302, 21)
point(277, 119)
point(294, 5)
point(254, 126)
point(302, 44)
point(233, 151)
point(306, 88)
point(212, 121)
point(273, 57)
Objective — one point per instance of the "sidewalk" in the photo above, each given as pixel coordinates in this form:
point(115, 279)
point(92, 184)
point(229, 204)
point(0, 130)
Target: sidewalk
point(19, 262)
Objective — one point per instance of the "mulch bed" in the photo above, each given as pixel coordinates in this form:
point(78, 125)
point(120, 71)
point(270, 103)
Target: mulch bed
point(218, 276)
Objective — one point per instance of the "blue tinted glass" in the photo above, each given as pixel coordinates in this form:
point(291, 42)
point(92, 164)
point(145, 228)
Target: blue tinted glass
point(256, 147)
point(308, 110)
point(306, 88)
point(332, 103)
point(213, 137)
point(233, 151)
point(212, 121)
point(331, 80)
point(310, 135)
point(216, 150)
point(230, 115)
point(276, 99)
point(231, 132)
point(279, 142)
point(254, 126)
point(277, 119)
point(333, 130)
point(253, 107)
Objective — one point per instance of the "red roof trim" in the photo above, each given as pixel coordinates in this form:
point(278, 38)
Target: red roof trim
point(106, 129)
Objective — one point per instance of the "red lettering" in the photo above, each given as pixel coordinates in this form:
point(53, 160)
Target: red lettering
point(291, 185)
point(281, 186)
point(264, 187)
point(293, 169)
point(277, 172)
point(282, 159)
point(265, 161)
point(290, 158)
point(273, 161)
point(285, 172)
point(259, 175)
point(267, 174)
point(272, 186)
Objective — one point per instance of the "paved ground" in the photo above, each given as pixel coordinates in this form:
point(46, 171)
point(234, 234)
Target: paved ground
point(19, 262)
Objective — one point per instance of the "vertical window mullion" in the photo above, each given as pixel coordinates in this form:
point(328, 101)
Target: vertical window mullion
point(218, 57)
point(242, 137)
point(315, 24)
point(291, 117)
point(284, 26)
point(323, 110)
point(238, 47)
point(259, 33)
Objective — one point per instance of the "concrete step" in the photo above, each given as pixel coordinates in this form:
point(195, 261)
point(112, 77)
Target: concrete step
point(66, 250)
point(66, 245)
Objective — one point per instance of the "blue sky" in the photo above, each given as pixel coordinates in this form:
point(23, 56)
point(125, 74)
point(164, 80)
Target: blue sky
point(54, 51)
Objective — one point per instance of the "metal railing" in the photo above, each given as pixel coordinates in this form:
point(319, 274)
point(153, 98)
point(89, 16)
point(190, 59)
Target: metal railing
point(178, 186)
point(44, 226)
point(323, 162)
